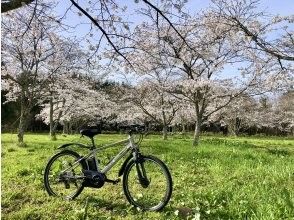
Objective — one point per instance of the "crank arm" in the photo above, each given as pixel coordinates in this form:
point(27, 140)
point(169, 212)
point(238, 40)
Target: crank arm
point(114, 182)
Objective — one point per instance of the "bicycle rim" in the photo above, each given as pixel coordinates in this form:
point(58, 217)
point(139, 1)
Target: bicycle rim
point(154, 196)
point(64, 184)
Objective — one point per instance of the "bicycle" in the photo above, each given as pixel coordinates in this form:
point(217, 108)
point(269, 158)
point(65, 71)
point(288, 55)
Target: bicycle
point(147, 182)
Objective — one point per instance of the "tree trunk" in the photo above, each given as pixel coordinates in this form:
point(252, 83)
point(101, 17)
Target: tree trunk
point(232, 128)
point(65, 127)
point(21, 128)
point(53, 136)
point(237, 126)
point(183, 128)
point(22, 119)
point(164, 132)
point(164, 129)
point(54, 123)
point(197, 132)
point(70, 128)
point(51, 121)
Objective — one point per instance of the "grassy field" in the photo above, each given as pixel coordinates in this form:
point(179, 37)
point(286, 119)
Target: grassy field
point(224, 178)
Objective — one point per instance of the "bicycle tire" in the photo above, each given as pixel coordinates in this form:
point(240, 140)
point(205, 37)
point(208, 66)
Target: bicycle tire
point(47, 172)
point(168, 191)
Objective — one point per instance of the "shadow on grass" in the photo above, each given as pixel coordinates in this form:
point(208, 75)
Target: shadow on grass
point(273, 150)
point(122, 208)
point(278, 152)
point(107, 205)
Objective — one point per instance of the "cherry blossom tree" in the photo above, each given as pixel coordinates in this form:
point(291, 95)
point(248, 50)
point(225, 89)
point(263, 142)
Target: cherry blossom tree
point(184, 115)
point(36, 70)
point(153, 75)
point(275, 114)
point(27, 44)
point(240, 16)
point(196, 69)
point(244, 17)
point(76, 101)
point(106, 22)
point(182, 59)
point(285, 111)
point(240, 113)
point(64, 68)
point(152, 101)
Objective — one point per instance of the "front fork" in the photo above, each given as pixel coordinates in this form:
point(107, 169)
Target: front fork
point(140, 168)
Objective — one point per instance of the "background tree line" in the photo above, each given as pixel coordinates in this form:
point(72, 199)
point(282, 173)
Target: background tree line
point(264, 115)
point(174, 64)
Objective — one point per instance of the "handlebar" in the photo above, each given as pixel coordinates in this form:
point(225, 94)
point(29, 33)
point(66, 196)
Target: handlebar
point(131, 129)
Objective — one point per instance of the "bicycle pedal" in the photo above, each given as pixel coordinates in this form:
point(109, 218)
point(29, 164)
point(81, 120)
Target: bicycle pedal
point(113, 181)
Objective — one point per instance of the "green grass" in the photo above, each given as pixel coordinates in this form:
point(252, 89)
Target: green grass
point(223, 178)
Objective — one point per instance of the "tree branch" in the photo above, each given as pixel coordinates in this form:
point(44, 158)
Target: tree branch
point(101, 29)
point(262, 44)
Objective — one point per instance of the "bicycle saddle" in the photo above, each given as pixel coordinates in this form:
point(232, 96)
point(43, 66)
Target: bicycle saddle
point(90, 131)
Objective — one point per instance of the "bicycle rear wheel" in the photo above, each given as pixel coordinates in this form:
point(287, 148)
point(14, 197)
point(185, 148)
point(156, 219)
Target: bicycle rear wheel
point(147, 184)
point(68, 184)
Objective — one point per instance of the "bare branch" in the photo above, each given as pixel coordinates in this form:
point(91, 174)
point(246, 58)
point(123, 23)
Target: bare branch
point(101, 29)
point(263, 44)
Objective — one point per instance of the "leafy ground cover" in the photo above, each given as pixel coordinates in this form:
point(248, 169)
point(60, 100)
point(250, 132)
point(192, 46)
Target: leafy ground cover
point(223, 178)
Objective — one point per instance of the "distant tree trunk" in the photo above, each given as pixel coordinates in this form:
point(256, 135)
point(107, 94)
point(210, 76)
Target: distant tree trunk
point(225, 130)
point(164, 129)
point(197, 132)
point(23, 119)
point(183, 128)
point(21, 128)
point(237, 126)
point(65, 127)
point(54, 123)
point(51, 121)
point(234, 126)
point(70, 128)
point(231, 128)
point(164, 132)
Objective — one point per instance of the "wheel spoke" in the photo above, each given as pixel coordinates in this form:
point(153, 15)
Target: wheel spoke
point(66, 184)
point(144, 193)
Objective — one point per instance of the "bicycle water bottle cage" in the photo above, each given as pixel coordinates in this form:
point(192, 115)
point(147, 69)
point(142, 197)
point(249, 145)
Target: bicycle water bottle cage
point(90, 131)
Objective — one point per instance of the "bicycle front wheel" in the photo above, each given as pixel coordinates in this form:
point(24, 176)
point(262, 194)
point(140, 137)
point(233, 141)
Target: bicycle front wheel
point(63, 177)
point(147, 183)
